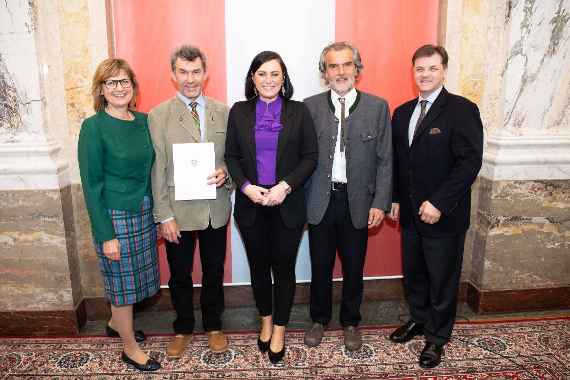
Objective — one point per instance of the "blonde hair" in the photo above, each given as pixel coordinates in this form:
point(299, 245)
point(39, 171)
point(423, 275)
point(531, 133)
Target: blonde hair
point(107, 69)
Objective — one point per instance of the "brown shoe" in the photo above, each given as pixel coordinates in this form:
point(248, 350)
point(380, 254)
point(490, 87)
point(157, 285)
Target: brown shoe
point(314, 335)
point(352, 338)
point(176, 347)
point(217, 341)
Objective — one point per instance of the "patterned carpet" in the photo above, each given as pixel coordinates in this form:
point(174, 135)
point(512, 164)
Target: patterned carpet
point(528, 349)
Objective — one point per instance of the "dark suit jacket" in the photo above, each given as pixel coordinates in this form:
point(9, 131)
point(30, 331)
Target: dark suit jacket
point(441, 164)
point(296, 158)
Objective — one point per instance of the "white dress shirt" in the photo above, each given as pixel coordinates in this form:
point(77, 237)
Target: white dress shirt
point(339, 159)
point(416, 114)
point(201, 109)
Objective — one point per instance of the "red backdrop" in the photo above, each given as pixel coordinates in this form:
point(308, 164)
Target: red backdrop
point(386, 32)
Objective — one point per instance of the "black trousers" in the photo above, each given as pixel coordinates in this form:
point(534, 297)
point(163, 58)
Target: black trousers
point(180, 260)
point(336, 231)
point(432, 268)
point(272, 247)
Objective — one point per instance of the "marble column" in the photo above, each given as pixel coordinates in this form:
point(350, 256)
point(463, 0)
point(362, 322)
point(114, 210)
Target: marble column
point(43, 224)
point(512, 58)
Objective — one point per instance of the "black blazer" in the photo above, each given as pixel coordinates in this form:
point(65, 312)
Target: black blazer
point(441, 164)
point(296, 158)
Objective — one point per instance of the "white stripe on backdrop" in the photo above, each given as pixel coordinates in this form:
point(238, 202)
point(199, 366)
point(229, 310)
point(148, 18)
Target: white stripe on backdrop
point(297, 30)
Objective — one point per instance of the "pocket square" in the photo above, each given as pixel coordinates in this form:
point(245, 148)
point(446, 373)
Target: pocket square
point(434, 131)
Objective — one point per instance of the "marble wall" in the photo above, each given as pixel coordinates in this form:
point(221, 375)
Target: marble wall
point(48, 50)
point(522, 246)
point(536, 75)
point(35, 265)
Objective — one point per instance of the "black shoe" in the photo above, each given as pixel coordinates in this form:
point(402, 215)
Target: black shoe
point(407, 331)
point(150, 365)
point(263, 346)
point(276, 357)
point(112, 333)
point(431, 355)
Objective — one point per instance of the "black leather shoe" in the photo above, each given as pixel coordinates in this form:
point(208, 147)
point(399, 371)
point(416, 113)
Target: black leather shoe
point(112, 333)
point(276, 357)
point(407, 331)
point(149, 366)
point(263, 346)
point(431, 355)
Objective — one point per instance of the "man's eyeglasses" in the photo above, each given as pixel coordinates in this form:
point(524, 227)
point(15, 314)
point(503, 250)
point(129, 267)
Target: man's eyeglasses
point(112, 83)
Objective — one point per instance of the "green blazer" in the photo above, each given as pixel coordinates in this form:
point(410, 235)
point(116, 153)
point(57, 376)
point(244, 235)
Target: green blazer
point(115, 160)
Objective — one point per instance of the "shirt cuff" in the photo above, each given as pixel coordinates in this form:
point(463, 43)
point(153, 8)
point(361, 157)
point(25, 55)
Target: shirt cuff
point(166, 220)
point(242, 188)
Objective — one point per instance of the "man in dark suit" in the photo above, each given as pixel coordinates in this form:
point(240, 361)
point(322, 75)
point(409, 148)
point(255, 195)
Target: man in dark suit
point(438, 148)
point(349, 191)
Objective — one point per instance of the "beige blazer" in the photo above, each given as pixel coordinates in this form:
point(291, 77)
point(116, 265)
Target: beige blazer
point(171, 123)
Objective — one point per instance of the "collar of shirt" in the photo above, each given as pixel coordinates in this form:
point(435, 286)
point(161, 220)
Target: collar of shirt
point(349, 99)
point(200, 100)
point(201, 110)
point(273, 108)
point(431, 98)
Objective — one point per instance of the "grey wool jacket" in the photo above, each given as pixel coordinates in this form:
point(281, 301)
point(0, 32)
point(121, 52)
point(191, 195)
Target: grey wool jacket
point(368, 156)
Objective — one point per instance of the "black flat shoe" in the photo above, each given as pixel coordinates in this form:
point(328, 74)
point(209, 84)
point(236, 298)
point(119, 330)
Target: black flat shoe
point(431, 355)
point(149, 366)
point(263, 346)
point(112, 333)
point(276, 357)
point(407, 331)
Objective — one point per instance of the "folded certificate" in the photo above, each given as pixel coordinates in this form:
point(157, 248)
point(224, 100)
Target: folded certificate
point(193, 163)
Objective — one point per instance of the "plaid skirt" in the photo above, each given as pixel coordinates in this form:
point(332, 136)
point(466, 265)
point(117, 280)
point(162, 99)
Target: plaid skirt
point(135, 276)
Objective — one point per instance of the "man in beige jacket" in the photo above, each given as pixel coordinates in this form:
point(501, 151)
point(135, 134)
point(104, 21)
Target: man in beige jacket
point(190, 117)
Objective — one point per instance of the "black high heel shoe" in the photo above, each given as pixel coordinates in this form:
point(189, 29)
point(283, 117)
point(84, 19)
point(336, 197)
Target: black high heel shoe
point(149, 366)
point(263, 346)
point(276, 357)
point(112, 333)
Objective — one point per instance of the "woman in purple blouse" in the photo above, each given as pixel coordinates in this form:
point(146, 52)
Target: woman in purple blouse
point(271, 150)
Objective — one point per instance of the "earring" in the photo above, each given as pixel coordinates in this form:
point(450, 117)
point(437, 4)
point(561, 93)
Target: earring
point(255, 91)
point(283, 90)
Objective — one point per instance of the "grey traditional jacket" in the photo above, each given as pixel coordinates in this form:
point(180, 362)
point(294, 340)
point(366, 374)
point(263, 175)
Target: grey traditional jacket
point(368, 156)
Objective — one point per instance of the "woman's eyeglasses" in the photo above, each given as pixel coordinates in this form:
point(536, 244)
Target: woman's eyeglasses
point(112, 83)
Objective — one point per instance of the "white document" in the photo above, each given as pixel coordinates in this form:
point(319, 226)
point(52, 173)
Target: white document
point(193, 163)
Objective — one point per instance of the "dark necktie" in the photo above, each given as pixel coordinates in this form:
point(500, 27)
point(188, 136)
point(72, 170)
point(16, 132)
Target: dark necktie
point(342, 124)
point(423, 104)
point(194, 113)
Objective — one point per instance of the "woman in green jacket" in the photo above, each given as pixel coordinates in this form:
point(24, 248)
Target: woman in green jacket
point(115, 159)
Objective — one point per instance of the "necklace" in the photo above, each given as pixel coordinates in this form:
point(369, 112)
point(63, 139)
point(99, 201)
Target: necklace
point(128, 116)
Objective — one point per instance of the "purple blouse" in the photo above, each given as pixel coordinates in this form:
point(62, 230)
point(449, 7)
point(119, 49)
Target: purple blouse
point(267, 128)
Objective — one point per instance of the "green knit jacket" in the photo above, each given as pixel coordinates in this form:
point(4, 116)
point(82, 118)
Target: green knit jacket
point(115, 160)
